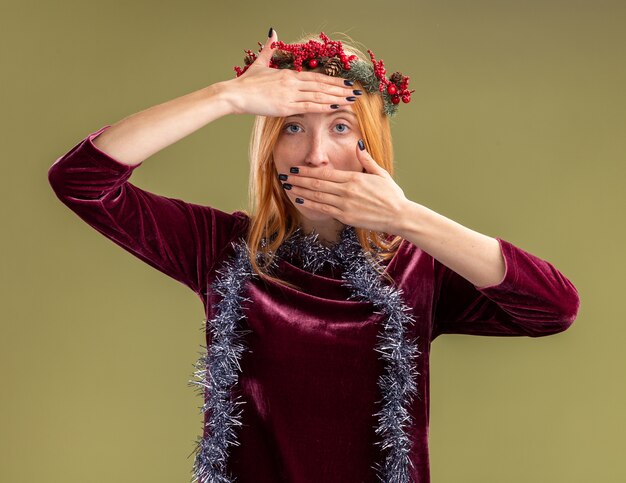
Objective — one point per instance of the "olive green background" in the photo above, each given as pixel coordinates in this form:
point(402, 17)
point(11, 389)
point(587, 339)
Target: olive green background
point(516, 129)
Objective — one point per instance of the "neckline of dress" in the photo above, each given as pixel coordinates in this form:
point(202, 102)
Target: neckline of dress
point(313, 255)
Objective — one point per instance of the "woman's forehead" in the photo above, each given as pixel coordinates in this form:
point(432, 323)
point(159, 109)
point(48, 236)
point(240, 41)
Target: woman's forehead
point(344, 110)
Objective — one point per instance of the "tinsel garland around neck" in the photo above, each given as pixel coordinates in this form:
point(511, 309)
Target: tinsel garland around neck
point(217, 369)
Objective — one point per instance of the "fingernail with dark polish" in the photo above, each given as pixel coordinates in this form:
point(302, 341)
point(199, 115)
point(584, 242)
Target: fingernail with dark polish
point(299, 200)
point(334, 106)
point(269, 34)
point(287, 186)
point(351, 98)
point(294, 170)
point(357, 92)
point(282, 177)
point(348, 82)
point(361, 145)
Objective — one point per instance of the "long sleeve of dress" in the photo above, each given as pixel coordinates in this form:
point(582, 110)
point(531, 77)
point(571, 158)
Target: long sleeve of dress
point(180, 239)
point(533, 299)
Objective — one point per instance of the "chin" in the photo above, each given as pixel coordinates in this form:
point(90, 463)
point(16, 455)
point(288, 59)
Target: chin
point(312, 215)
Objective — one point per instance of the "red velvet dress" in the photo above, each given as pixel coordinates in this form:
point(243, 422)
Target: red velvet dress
point(309, 381)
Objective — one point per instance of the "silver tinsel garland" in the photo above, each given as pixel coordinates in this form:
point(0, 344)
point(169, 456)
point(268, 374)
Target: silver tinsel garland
point(217, 370)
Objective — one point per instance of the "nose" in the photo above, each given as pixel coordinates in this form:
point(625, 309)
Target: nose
point(317, 152)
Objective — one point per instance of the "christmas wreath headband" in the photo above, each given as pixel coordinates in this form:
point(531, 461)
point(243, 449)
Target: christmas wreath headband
point(329, 54)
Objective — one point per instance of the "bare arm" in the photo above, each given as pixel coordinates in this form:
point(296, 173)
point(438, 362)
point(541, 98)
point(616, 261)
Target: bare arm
point(260, 91)
point(473, 255)
point(138, 136)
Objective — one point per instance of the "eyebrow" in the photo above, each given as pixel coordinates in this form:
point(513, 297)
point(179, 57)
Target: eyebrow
point(333, 112)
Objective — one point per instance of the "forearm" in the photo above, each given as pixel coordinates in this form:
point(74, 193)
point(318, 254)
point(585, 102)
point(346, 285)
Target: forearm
point(474, 256)
point(140, 135)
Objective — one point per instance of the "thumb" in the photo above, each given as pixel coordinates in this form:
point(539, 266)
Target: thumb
point(366, 160)
point(267, 51)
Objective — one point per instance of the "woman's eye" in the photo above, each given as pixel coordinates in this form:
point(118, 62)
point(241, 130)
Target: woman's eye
point(344, 127)
point(291, 131)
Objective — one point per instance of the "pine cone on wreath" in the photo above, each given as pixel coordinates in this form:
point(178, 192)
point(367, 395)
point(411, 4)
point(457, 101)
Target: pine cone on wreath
point(333, 66)
point(281, 57)
point(396, 78)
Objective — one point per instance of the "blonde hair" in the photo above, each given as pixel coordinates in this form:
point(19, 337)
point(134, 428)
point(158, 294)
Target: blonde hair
point(271, 211)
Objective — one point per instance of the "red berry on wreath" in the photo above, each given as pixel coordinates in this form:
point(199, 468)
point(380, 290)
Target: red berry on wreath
point(313, 63)
point(406, 98)
point(395, 99)
point(392, 89)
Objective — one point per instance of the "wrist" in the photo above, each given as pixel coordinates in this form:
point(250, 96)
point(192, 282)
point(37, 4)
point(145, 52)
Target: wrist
point(407, 219)
point(226, 92)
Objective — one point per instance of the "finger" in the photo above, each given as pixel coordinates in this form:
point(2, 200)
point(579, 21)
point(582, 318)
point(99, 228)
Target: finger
point(329, 209)
point(309, 106)
point(266, 53)
point(324, 78)
point(333, 89)
point(366, 160)
point(321, 172)
point(315, 195)
point(306, 186)
point(325, 99)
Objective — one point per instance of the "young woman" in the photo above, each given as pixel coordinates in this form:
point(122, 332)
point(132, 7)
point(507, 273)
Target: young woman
point(323, 300)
